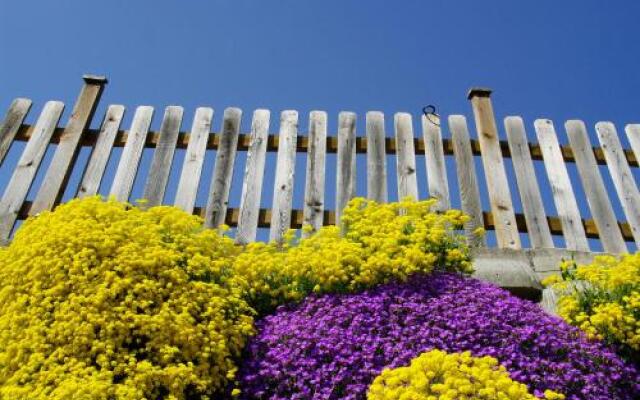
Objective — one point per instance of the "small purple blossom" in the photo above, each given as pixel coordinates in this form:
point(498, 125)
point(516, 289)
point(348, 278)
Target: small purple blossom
point(332, 347)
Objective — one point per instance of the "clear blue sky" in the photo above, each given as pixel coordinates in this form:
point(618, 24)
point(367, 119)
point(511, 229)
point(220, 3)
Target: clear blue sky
point(554, 59)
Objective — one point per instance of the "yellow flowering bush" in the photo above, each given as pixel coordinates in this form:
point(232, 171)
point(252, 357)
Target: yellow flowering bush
point(603, 299)
point(436, 375)
point(100, 300)
point(375, 244)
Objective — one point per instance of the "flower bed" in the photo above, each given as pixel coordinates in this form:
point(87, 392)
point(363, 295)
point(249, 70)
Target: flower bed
point(333, 346)
point(603, 299)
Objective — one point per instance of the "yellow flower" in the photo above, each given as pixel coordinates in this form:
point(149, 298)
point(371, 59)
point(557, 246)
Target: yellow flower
point(437, 375)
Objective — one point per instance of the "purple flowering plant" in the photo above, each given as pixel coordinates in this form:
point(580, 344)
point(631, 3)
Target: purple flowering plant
point(333, 346)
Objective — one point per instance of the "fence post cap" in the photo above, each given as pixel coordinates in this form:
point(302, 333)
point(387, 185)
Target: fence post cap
point(95, 79)
point(479, 92)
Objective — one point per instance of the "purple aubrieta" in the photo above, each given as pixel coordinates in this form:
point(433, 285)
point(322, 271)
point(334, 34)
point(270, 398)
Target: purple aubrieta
point(333, 346)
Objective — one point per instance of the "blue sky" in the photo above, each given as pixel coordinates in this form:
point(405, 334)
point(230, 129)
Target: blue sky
point(552, 59)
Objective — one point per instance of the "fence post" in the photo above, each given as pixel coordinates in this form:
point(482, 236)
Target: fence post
point(496, 176)
point(55, 180)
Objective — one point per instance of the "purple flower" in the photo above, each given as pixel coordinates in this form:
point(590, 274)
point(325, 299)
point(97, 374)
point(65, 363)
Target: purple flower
point(332, 347)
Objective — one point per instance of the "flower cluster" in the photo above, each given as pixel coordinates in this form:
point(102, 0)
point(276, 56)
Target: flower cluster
point(103, 300)
point(333, 346)
point(436, 375)
point(376, 243)
point(99, 300)
point(603, 299)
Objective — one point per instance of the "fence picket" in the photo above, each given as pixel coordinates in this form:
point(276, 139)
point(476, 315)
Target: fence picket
point(22, 178)
point(160, 169)
point(253, 176)
point(57, 175)
point(285, 171)
point(193, 160)
point(313, 213)
point(376, 158)
point(593, 185)
point(100, 155)
point(405, 156)
point(621, 173)
point(633, 134)
point(535, 216)
point(223, 169)
point(10, 125)
point(563, 196)
point(467, 179)
point(130, 159)
point(434, 158)
point(346, 169)
point(495, 174)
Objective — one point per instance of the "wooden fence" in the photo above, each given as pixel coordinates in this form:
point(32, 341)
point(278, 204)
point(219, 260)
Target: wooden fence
point(317, 143)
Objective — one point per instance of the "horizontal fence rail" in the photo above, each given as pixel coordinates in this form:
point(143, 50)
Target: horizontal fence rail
point(197, 138)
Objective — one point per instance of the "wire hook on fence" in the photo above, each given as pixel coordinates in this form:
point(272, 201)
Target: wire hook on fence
point(429, 111)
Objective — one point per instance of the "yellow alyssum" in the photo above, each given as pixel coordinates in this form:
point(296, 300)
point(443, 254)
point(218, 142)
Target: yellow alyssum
point(602, 298)
point(376, 243)
point(437, 375)
point(100, 300)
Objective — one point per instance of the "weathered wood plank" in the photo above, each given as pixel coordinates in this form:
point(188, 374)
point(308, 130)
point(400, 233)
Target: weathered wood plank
point(434, 159)
point(633, 134)
point(467, 179)
point(594, 188)
point(346, 169)
point(621, 174)
point(253, 177)
point(315, 174)
point(406, 156)
point(11, 123)
point(218, 199)
point(563, 196)
point(376, 159)
point(160, 169)
point(94, 172)
point(130, 159)
point(193, 160)
point(495, 173)
point(285, 172)
point(55, 180)
point(22, 178)
point(537, 226)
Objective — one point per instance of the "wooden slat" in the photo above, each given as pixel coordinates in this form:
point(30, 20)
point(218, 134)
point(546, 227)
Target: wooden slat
point(406, 156)
point(434, 159)
point(55, 180)
point(496, 176)
point(253, 176)
point(467, 179)
point(346, 168)
point(376, 160)
point(10, 125)
point(633, 134)
point(264, 221)
point(160, 169)
point(563, 196)
point(26, 130)
point(22, 178)
point(218, 199)
point(94, 172)
point(130, 159)
point(285, 172)
point(594, 188)
point(314, 179)
point(538, 228)
point(621, 174)
point(193, 160)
